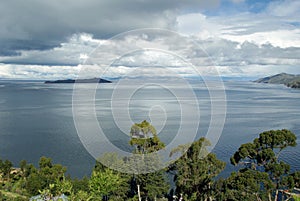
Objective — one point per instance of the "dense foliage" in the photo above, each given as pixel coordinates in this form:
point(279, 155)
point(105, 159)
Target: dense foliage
point(262, 158)
point(261, 175)
point(194, 174)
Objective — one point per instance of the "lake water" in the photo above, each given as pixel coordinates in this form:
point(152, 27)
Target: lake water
point(36, 119)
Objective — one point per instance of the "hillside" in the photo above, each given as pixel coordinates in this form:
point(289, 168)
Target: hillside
point(289, 80)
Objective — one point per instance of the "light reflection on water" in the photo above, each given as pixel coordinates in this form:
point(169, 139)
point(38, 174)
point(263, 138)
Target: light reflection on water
point(36, 119)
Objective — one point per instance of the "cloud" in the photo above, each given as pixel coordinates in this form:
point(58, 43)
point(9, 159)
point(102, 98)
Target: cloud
point(38, 72)
point(154, 55)
point(41, 25)
point(258, 28)
point(237, 1)
point(284, 8)
point(280, 38)
point(37, 43)
point(197, 24)
point(70, 52)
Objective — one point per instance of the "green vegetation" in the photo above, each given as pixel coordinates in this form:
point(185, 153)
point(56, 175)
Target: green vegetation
point(194, 174)
point(144, 138)
point(261, 170)
point(261, 174)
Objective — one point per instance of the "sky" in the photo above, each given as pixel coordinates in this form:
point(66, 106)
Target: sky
point(53, 39)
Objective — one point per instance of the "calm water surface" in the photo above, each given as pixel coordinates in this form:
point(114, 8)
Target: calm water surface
point(36, 119)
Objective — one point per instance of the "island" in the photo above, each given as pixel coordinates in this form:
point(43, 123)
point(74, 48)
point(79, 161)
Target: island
point(71, 81)
point(288, 80)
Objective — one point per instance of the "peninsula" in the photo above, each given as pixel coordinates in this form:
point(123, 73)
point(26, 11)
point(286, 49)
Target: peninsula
point(288, 80)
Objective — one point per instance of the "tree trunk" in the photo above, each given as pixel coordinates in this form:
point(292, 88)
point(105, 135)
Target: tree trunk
point(276, 196)
point(257, 197)
point(139, 193)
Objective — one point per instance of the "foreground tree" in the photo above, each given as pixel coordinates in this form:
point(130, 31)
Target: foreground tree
point(47, 174)
point(117, 188)
point(149, 179)
point(262, 155)
point(245, 184)
point(104, 183)
point(194, 173)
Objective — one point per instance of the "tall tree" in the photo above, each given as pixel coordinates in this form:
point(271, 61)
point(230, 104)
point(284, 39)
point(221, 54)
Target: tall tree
point(194, 174)
point(151, 180)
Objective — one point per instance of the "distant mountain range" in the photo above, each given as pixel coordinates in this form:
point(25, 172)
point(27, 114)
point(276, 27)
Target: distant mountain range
point(70, 81)
point(289, 80)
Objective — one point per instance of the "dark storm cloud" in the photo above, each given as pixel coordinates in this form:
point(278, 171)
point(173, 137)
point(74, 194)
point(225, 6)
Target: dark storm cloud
point(40, 25)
